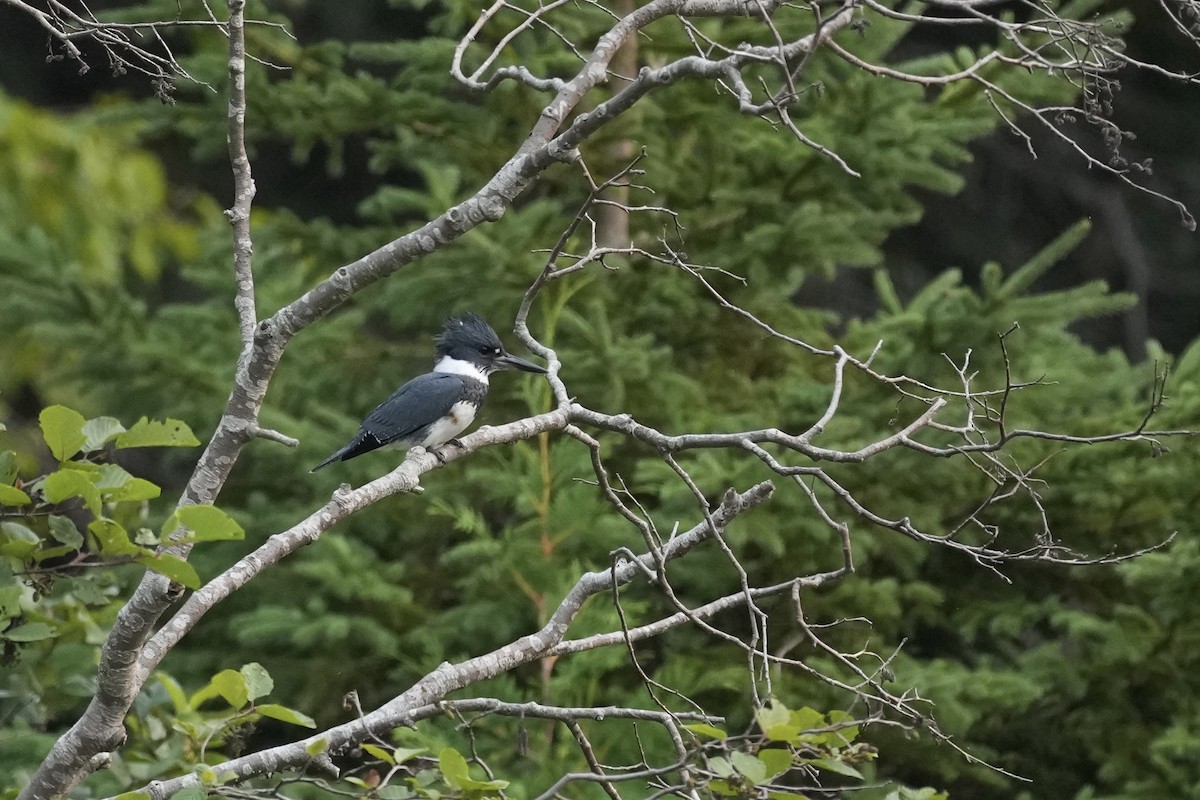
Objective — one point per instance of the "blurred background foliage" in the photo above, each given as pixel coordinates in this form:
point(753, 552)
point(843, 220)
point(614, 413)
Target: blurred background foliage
point(115, 298)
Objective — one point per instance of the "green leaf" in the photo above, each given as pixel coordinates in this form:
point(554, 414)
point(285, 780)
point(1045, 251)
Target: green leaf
point(108, 477)
point(99, 432)
point(704, 729)
point(136, 490)
point(134, 796)
point(772, 713)
point(67, 483)
point(113, 539)
point(380, 753)
point(284, 714)
point(394, 792)
point(18, 550)
point(16, 532)
point(205, 523)
point(317, 747)
point(231, 685)
point(724, 788)
point(64, 531)
point(87, 592)
point(152, 433)
point(63, 430)
point(458, 775)
point(750, 767)
point(840, 767)
point(258, 680)
point(402, 754)
point(174, 691)
point(172, 567)
point(721, 766)
point(30, 632)
point(847, 734)
point(12, 496)
point(52, 552)
point(777, 761)
point(454, 768)
point(10, 602)
point(806, 719)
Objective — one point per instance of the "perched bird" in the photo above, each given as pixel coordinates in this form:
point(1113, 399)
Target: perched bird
point(433, 408)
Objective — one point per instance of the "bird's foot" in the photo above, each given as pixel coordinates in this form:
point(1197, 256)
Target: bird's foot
point(438, 452)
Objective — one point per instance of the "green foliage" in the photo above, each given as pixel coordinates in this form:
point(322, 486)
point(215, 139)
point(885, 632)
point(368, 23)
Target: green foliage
point(58, 532)
point(115, 294)
point(174, 732)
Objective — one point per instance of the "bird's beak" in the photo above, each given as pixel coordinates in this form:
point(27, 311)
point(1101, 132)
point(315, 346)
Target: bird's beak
point(509, 361)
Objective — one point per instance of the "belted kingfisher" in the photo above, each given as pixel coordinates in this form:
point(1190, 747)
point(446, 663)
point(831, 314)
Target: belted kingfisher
point(433, 408)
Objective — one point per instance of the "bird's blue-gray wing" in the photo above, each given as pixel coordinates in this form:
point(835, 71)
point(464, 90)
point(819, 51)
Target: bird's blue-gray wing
point(413, 407)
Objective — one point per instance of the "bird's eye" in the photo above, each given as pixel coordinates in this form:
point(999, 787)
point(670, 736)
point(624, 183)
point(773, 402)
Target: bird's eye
point(485, 349)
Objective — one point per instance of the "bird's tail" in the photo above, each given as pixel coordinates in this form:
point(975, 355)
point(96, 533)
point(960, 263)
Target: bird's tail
point(337, 456)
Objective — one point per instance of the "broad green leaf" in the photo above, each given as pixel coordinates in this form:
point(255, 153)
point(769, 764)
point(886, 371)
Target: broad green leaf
point(317, 747)
point(394, 792)
point(63, 430)
point(12, 496)
point(152, 433)
point(258, 680)
point(16, 532)
point(231, 685)
point(52, 552)
point(777, 761)
point(773, 713)
point(174, 691)
point(402, 754)
point(723, 788)
point(108, 477)
point(136, 490)
point(380, 753)
point(785, 733)
point(10, 602)
point(749, 767)
point(87, 592)
point(704, 729)
point(99, 431)
point(172, 567)
point(847, 734)
point(453, 767)
point(67, 483)
point(63, 530)
point(806, 719)
point(721, 766)
point(30, 632)
point(113, 539)
point(284, 714)
point(205, 523)
point(840, 767)
point(18, 550)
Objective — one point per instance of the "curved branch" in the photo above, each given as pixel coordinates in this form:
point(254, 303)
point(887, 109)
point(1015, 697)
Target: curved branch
point(404, 708)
